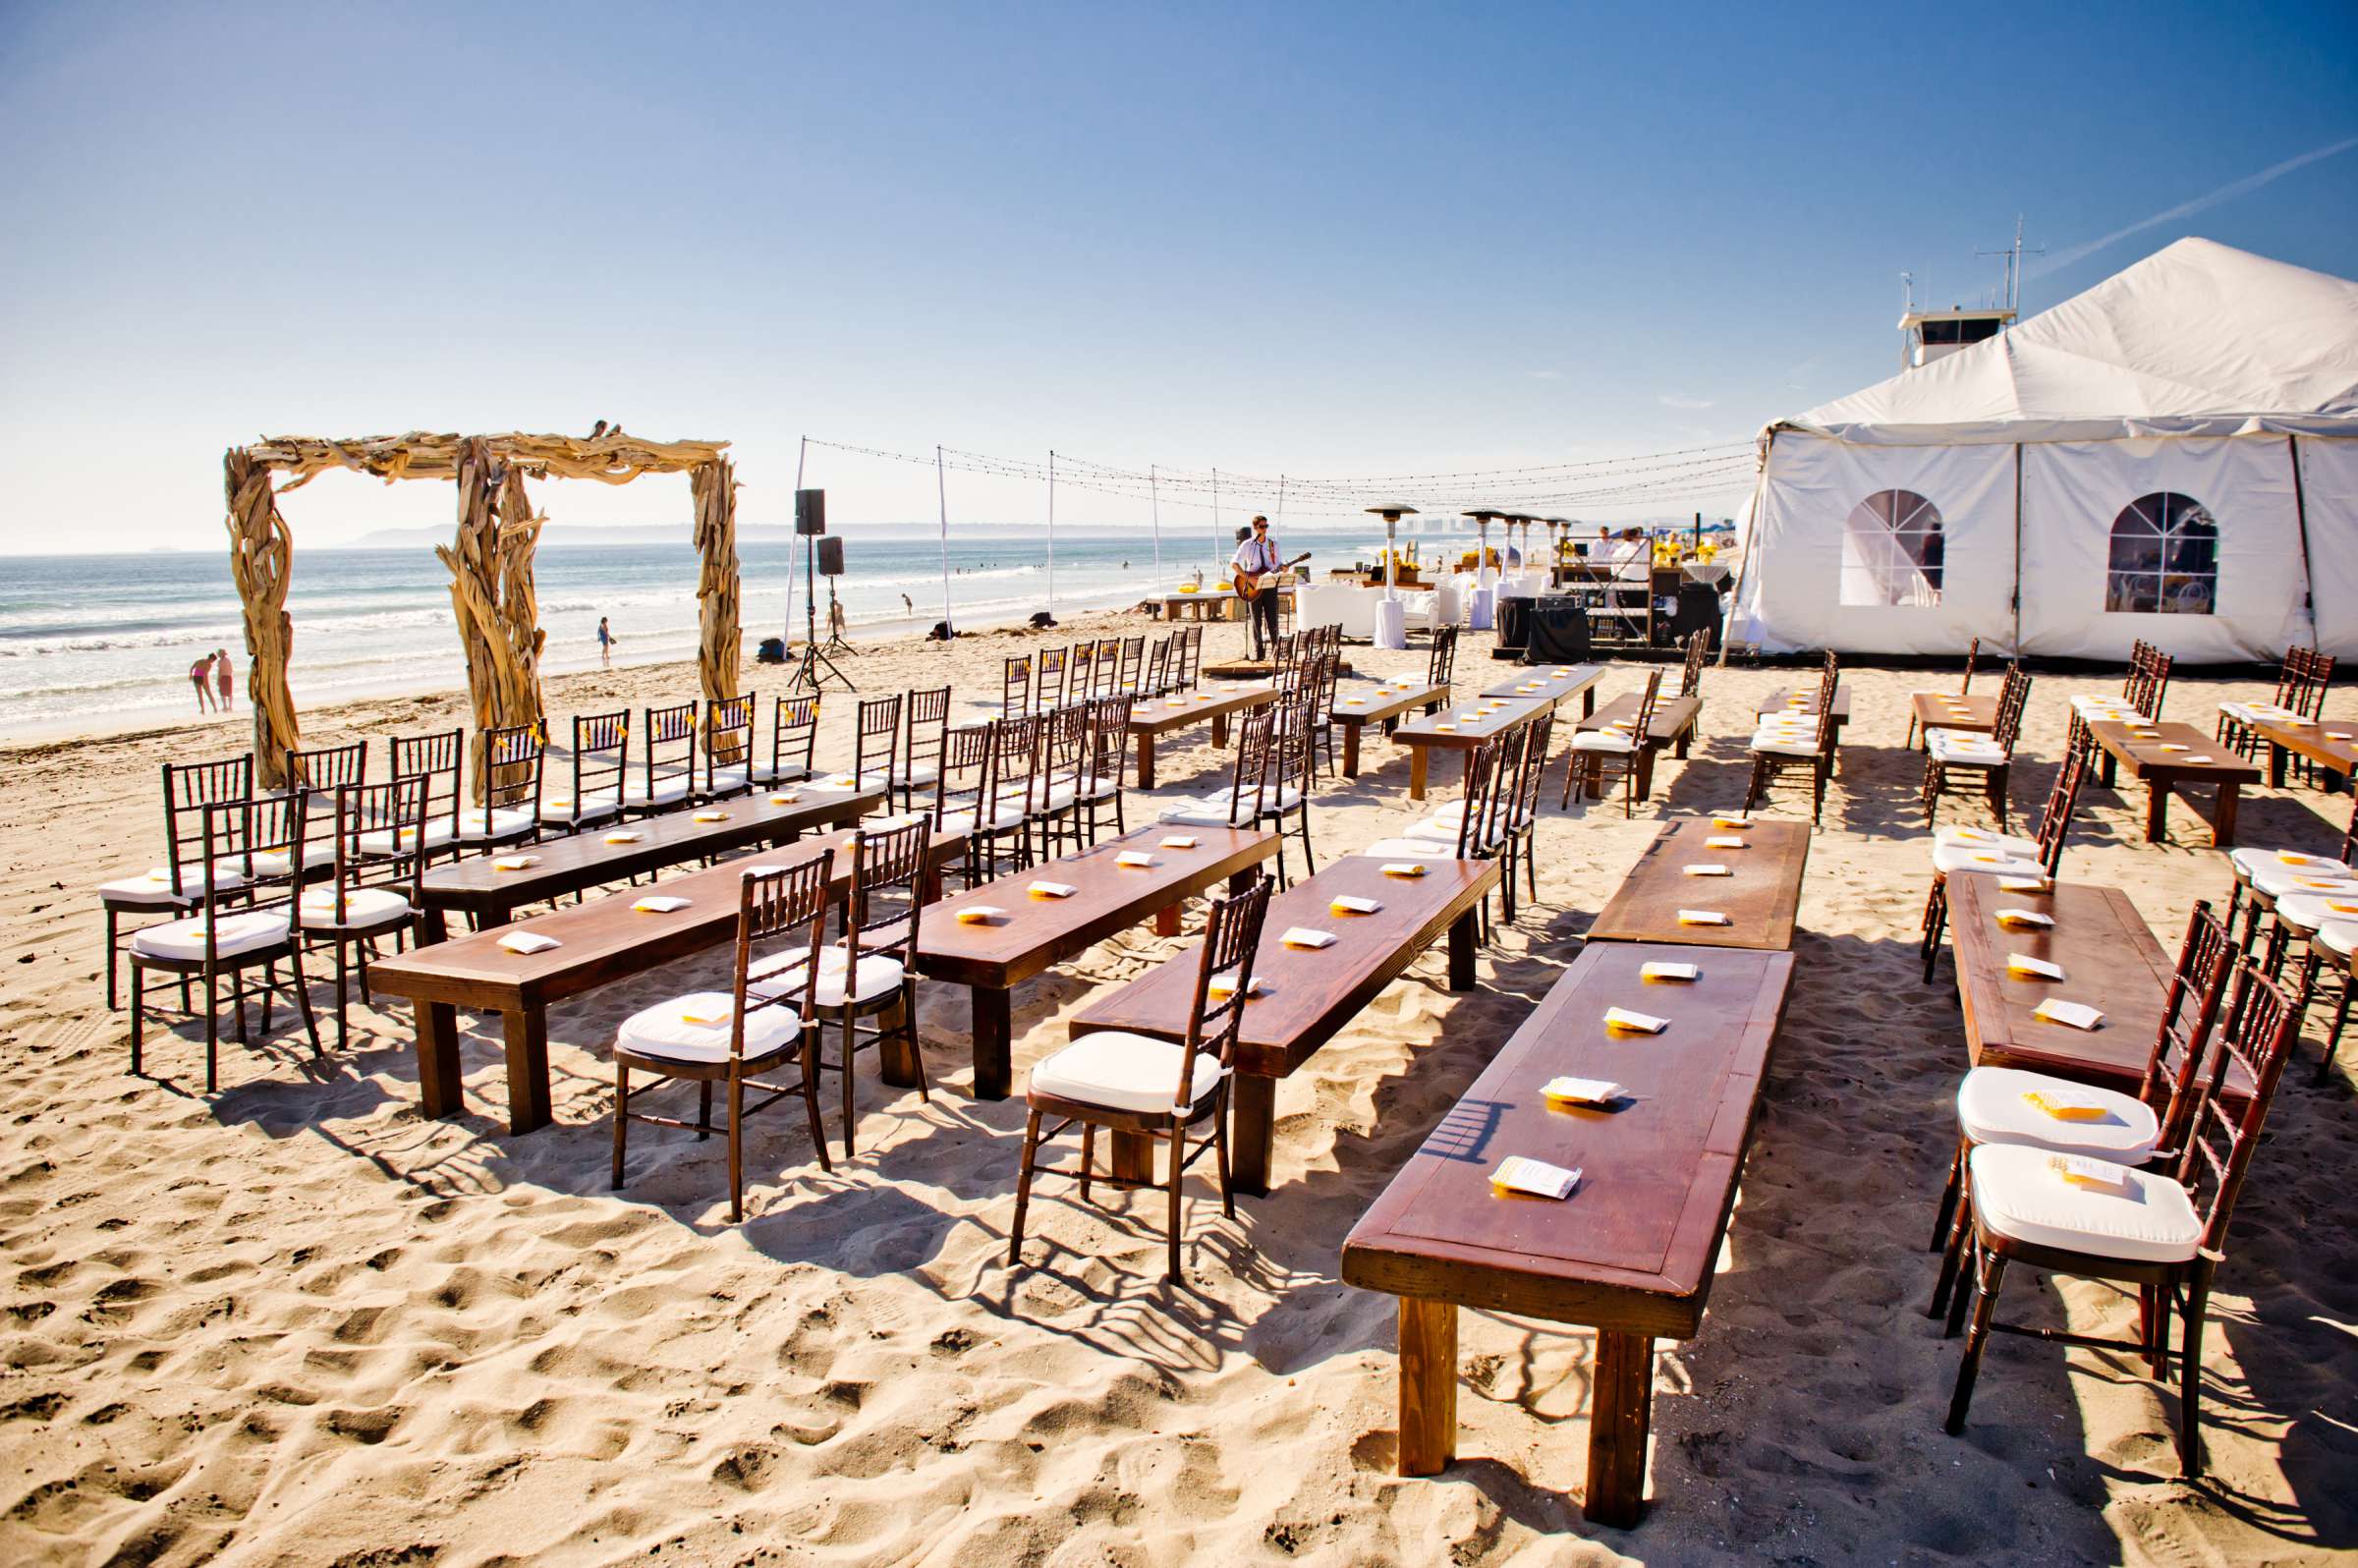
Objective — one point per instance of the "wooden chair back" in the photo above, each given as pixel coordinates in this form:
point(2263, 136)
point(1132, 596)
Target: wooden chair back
point(1049, 674)
point(1231, 939)
point(238, 834)
point(1440, 663)
point(438, 758)
point(728, 734)
point(1690, 679)
point(322, 768)
point(379, 841)
point(190, 787)
point(1133, 664)
point(1108, 747)
point(1541, 732)
point(1642, 727)
point(2317, 674)
point(668, 751)
point(1158, 668)
point(1829, 685)
point(927, 715)
point(1248, 770)
point(1015, 682)
point(512, 763)
point(1192, 639)
point(888, 892)
point(1018, 753)
point(1972, 655)
point(2257, 1037)
point(1294, 741)
point(2013, 696)
point(969, 772)
point(1482, 780)
point(790, 904)
point(876, 740)
point(2189, 1012)
point(793, 735)
point(1106, 674)
point(2055, 818)
point(600, 760)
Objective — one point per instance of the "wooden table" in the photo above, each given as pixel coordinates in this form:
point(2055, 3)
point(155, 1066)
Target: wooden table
point(1353, 712)
point(1939, 710)
point(2331, 744)
point(991, 959)
point(2110, 960)
point(1210, 605)
point(1575, 680)
point(600, 941)
point(1674, 722)
point(1631, 1250)
point(1313, 994)
point(2140, 748)
point(477, 889)
point(1463, 734)
point(1774, 705)
point(1759, 896)
point(1153, 717)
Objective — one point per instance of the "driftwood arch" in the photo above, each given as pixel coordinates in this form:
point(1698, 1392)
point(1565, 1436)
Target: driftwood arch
point(490, 560)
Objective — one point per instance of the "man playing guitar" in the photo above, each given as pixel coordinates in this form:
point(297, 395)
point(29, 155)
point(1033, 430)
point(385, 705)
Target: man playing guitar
point(1257, 559)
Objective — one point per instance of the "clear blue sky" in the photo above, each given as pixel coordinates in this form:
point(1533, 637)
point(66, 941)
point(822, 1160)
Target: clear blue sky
point(1326, 239)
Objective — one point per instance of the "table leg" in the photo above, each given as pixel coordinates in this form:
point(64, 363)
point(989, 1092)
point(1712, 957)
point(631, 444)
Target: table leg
point(1252, 1132)
point(1416, 772)
point(896, 1055)
point(1428, 1385)
point(1464, 937)
point(528, 1070)
point(2157, 809)
point(1240, 882)
point(2275, 766)
point(994, 1068)
point(1588, 702)
point(1620, 1412)
point(1166, 921)
point(1645, 771)
point(1133, 1157)
point(438, 1058)
point(1146, 761)
point(2111, 770)
point(1219, 732)
point(436, 927)
point(1351, 750)
point(2222, 827)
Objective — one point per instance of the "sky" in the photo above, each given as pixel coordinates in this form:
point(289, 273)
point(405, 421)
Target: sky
point(1330, 241)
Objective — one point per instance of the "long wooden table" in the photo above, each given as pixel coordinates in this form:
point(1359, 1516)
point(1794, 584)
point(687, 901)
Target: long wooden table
point(992, 958)
point(1312, 994)
point(1557, 683)
point(1631, 1250)
point(1355, 712)
point(1155, 717)
point(2140, 748)
point(2331, 744)
point(1759, 896)
point(599, 942)
point(1460, 728)
point(1675, 720)
point(1940, 710)
point(479, 888)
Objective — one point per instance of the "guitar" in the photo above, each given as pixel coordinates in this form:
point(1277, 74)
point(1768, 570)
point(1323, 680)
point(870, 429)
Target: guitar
point(1248, 584)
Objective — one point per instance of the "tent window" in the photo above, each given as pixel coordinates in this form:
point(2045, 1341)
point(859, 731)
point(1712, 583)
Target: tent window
point(2165, 557)
point(1892, 550)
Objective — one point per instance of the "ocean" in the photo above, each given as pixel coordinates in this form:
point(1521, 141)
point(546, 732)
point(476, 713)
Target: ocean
point(98, 642)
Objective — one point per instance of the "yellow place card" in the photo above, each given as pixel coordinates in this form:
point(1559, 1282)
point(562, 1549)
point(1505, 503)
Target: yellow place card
point(1444, 726)
point(514, 863)
point(979, 914)
point(1403, 869)
point(699, 1014)
point(2171, 746)
point(2065, 1106)
point(1731, 819)
point(1705, 871)
point(2075, 1015)
point(2032, 967)
point(2022, 884)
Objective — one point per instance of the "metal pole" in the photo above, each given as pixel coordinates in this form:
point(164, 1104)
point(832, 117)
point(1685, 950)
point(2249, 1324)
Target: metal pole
point(941, 489)
point(1051, 533)
point(1216, 535)
point(788, 629)
point(1154, 493)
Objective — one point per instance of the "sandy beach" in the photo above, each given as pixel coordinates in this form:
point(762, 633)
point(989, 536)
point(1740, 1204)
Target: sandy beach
point(295, 1323)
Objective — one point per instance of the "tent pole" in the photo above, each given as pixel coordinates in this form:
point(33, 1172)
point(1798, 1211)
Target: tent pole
point(1735, 596)
point(2018, 549)
point(2300, 515)
point(942, 490)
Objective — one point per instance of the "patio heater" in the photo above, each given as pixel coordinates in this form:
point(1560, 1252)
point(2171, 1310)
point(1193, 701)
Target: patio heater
point(1478, 613)
point(1391, 616)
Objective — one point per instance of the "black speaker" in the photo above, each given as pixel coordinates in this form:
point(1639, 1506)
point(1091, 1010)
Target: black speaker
point(809, 510)
point(1698, 611)
point(1559, 632)
point(830, 556)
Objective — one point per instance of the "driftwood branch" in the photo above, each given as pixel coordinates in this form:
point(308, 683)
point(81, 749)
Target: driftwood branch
point(719, 652)
point(261, 558)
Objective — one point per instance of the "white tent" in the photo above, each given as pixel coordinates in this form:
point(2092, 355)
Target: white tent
point(2173, 456)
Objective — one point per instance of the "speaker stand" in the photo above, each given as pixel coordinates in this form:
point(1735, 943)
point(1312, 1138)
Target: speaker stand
point(814, 666)
point(836, 641)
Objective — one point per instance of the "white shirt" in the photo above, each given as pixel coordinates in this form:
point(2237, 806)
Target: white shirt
point(1255, 555)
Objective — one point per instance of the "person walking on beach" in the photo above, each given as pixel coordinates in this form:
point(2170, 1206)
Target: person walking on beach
point(605, 643)
point(200, 675)
point(225, 677)
point(1258, 553)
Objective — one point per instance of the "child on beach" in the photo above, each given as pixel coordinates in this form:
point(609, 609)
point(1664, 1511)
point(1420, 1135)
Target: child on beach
point(224, 676)
point(605, 643)
point(200, 675)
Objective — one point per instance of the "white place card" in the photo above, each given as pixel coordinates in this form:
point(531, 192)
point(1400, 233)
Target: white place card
point(1636, 1022)
point(707, 816)
point(1135, 859)
point(1052, 889)
point(2076, 1015)
point(659, 904)
point(1534, 1177)
point(1353, 904)
point(1701, 917)
point(1305, 936)
point(2080, 1170)
point(1727, 841)
point(2171, 746)
point(1582, 1091)
point(1731, 819)
point(2065, 1103)
point(787, 799)
point(2198, 759)
point(718, 1010)
point(1224, 985)
point(764, 870)
point(1670, 972)
point(1180, 841)
point(1706, 868)
point(2023, 885)
point(979, 913)
point(2034, 967)
point(529, 942)
point(623, 839)
point(2023, 917)
point(1403, 869)
point(514, 863)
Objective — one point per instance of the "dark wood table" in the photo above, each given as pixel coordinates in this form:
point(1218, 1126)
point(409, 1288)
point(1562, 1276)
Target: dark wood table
point(1759, 896)
point(1153, 717)
point(1313, 993)
point(2110, 960)
point(1940, 710)
point(599, 942)
point(1777, 703)
point(1426, 734)
point(2139, 747)
point(991, 959)
point(1355, 712)
point(477, 889)
point(1576, 680)
point(1675, 720)
point(1631, 1252)
point(2331, 744)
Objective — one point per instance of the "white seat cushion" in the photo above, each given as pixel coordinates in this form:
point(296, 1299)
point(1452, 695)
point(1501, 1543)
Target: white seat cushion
point(1603, 741)
point(233, 936)
point(665, 791)
point(782, 974)
point(1783, 745)
point(729, 780)
point(1005, 817)
point(2284, 882)
point(608, 802)
point(1213, 810)
point(2249, 863)
point(1991, 1109)
point(2246, 713)
point(380, 842)
point(2017, 1195)
point(1951, 858)
point(921, 774)
point(664, 1031)
point(2312, 912)
point(1410, 849)
point(476, 825)
point(1988, 841)
point(780, 773)
point(875, 778)
point(363, 906)
point(1955, 749)
point(1121, 1071)
point(154, 889)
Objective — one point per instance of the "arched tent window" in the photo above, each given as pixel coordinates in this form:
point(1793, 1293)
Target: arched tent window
point(2165, 557)
point(1892, 550)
